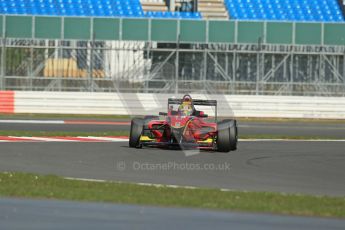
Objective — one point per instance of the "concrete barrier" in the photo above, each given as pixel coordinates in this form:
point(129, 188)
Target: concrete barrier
point(145, 104)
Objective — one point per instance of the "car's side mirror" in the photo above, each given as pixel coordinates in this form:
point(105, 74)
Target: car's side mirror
point(200, 114)
point(163, 114)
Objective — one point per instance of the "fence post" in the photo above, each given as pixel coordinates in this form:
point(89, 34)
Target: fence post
point(3, 64)
point(92, 43)
point(204, 75)
point(31, 68)
point(344, 71)
point(3, 55)
point(176, 69)
point(258, 68)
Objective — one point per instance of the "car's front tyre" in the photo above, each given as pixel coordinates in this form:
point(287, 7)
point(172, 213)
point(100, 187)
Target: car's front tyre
point(135, 133)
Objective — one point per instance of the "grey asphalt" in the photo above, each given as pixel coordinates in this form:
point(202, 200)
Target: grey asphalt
point(290, 167)
point(324, 129)
point(62, 127)
point(49, 214)
point(329, 130)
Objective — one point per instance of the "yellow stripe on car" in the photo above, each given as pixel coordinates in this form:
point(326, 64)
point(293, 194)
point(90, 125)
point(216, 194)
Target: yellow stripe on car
point(209, 140)
point(146, 138)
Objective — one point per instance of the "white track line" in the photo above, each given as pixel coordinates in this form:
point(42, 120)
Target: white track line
point(146, 184)
point(108, 139)
point(173, 186)
point(48, 139)
point(143, 184)
point(84, 179)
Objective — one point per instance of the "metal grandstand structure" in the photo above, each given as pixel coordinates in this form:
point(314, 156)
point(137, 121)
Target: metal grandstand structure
point(223, 57)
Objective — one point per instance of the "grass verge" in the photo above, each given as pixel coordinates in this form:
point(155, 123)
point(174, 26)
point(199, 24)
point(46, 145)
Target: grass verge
point(126, 133)
point(25, 185)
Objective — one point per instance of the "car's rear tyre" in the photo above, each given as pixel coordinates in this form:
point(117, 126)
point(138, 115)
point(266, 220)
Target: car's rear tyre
point(227, 136)
point(135, 133)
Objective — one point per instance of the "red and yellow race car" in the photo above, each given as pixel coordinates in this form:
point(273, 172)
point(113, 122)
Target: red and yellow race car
point(186, 127)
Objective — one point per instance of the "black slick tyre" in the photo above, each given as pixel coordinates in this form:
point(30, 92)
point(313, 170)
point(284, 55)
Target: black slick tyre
point(135, 133)
point(227, 136)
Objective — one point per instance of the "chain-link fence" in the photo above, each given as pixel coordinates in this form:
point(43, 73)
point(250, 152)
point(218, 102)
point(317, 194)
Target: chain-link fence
point(55, 65)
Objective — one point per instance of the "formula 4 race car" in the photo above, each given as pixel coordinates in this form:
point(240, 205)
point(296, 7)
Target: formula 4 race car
point(185, 127)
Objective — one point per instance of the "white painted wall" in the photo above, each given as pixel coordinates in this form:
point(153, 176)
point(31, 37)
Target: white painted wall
point(151, 104)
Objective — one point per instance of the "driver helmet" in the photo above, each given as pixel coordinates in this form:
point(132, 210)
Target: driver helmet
point(186, 107)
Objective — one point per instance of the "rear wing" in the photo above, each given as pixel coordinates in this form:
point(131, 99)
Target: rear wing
point(195, 102)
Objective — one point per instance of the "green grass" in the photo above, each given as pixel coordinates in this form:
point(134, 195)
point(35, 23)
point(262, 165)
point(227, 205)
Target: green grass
point(24, 185)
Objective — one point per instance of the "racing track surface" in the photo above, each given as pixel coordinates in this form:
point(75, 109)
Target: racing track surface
point(48, 214)
point(324, 129)
point(293, 167)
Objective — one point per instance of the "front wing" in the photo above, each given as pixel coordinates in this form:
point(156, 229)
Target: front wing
point(148, 141)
